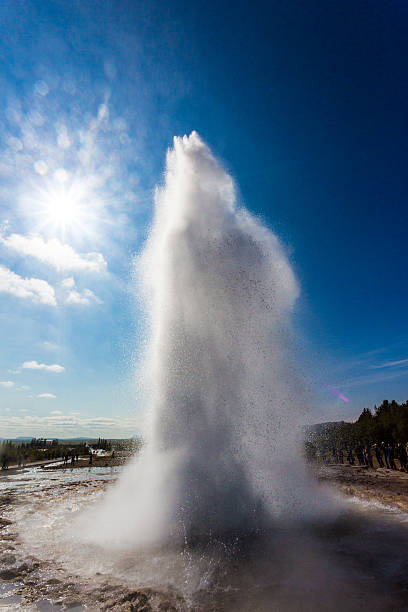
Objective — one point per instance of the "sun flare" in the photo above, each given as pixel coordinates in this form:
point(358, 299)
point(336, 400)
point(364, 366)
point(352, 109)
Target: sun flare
point(63, 210)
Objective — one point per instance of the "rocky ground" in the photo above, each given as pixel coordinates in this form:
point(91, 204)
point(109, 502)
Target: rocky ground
point(31, 584)
point(389, 487)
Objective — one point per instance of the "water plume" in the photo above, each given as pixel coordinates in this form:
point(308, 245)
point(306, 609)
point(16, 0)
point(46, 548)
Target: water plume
point(218, 375)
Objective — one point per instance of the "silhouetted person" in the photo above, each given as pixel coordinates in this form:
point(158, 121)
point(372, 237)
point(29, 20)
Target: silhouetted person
point(390, 448)
point(378, 455)
point(350, 458)
point(402, 456)
point(369, 459)
point(384, 448)
point(90, 458)
point(360, 456)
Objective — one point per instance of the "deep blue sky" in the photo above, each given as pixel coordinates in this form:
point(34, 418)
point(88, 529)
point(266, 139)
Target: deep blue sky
point(305, 104)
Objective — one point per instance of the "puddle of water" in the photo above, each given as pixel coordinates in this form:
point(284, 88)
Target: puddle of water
point(11, 600)
point(45, 605)
point(7, 587)
point(36, 478)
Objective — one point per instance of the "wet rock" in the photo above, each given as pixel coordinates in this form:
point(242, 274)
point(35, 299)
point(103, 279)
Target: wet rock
point(9, 574)
point(130, 602)
point(8, 559)
point(165, 606)
point(6, 500)
point(73, 604)
point(24, 569)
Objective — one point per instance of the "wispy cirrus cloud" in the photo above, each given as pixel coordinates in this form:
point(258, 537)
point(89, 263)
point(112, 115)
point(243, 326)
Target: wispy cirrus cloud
point(54, 253)
point(7, 384)
point(83, 298)
point(34, 365)
point(391, 364)
point(34, 289)
point(47, 395)
point(372, 378)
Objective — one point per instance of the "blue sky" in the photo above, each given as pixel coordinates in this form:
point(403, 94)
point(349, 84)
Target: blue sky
point(305, 104)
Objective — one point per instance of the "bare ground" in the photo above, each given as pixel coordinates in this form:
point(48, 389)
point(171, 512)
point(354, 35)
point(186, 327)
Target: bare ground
point(386, 486)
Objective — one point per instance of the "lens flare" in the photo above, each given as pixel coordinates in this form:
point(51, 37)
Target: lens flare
point(334, 391)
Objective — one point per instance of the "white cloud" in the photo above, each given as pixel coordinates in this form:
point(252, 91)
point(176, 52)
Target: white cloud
point(55, 412)
point(83, 298)
point(50, 346)
point(35, 289)
point(34, 365)
point(7, 383)
point(68, 283)
point(47, 395)
point(56, 254)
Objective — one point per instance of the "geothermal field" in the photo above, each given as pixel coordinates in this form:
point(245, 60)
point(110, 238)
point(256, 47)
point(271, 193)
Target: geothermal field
point(219, 511)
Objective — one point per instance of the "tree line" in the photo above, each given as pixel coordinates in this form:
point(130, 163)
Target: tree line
point(387, 423)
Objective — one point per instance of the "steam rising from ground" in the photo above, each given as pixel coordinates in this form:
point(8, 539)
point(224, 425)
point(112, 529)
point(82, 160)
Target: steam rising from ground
point(224, 402)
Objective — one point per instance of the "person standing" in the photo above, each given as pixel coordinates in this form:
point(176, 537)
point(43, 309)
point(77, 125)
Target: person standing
point(378, 456)
point(402, 456)
point(368, 456)
point(391, 455)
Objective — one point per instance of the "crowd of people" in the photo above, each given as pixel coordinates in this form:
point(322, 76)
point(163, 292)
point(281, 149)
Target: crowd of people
point(71, 458)
point(383, 455)
point(5, 461)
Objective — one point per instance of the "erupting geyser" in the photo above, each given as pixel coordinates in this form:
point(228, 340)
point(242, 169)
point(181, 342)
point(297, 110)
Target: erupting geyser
point(225, 407)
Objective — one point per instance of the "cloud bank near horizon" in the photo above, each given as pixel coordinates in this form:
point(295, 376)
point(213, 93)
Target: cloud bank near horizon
point(57, 424)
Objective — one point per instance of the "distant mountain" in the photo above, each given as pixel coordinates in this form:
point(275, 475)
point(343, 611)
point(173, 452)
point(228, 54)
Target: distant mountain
point(21, 439)
point(77, 439)
point(323, 426)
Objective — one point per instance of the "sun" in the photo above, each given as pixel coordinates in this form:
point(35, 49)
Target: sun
point(66, 205)
point(62, 210)
point(65, 208)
